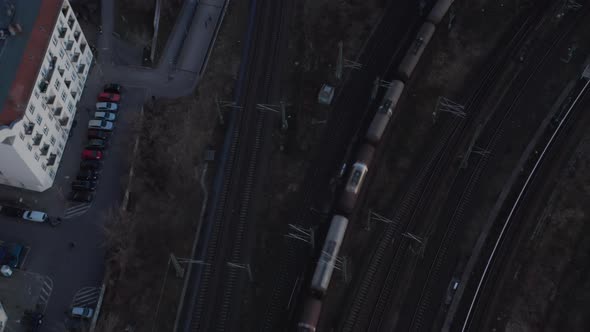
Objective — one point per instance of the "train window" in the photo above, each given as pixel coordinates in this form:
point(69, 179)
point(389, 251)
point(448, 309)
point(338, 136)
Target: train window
point(356, 177)
point(384, 108)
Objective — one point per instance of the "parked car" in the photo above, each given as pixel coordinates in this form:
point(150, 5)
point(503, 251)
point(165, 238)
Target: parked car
point(30, 215)
point(113, 107)
point(36, 216)
point(109, 97)
point(10, 254)
point(96, 144)
point(112, 88)
point(82, 312)
point(91, 154)
point(95, 165)
point(105, 116)
point(81, 196)
point(101, 125)
point(6, 271)
point(84, 185)
point(87, 175)
point(103, 135)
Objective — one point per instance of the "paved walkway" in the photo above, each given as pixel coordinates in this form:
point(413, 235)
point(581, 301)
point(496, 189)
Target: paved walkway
point(185, 55)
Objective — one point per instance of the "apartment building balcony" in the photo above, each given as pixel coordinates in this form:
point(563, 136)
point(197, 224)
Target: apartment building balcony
point(44, 150)
point(64, 10)
point(77, 36)
point(76, 57)
point(69, 45)
point(68, 83)
point(50, 100)
point(61, 72)
point(44, 83)
point(74, 94)
point(29, 128)
point(62, 32)
point(57, 111)
point(81, 68)
point(83, 47)
point(71, 22)
point(51, 159)
point(64, 121)
point(37, 139)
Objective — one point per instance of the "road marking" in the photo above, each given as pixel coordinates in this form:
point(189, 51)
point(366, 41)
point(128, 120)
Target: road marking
point(76, 210)
point(45, 293)
point(86, 297)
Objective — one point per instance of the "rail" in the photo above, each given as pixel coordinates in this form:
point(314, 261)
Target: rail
point(515, 206)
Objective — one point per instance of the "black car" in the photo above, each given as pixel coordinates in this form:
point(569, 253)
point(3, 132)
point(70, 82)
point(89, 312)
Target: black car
point(81, 196)
point(91, 164)
point(96, 144)
point(84, 185)
point(98, 134)
point(112, 88)
point(87, 175)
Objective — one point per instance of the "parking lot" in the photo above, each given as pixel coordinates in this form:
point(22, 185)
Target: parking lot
point(70, 254)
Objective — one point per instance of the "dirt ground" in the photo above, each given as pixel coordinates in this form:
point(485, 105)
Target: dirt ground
point(166, 194)
point(552, 283)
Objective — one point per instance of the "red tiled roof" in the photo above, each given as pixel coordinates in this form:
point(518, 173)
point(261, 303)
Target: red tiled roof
point(15, 104)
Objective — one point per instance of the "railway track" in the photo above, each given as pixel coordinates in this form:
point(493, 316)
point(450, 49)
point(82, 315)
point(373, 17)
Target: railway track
point(414, 203)
point(348, 107)
point(230, 227)
point(489, 140)
point(499, 244)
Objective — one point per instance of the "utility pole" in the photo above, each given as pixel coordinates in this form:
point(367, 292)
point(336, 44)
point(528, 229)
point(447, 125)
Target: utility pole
point(446, 105)
point(221, 104)
point(243, 267)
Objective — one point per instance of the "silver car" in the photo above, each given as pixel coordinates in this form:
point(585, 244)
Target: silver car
point(105, 106)
point(105, 116)
point(101, 125)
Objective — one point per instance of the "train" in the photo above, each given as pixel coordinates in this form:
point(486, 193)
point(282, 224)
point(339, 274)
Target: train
point(357, 174)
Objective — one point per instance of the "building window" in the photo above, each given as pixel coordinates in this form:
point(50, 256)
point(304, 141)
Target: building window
point(61, 146)
point(52, 140)
point(44, 106)
point(44, 166)
point(21, 135)
point(36, 156)
point(45, 130)
point(70, 107)
point(39, 119)
point(61, 53)
point(54, 41)
point(64, 135)
point(63, 96)
point(52, 173)
point(57, 126)
point(32, 109)
point(36, 93)
point(29, 146)
point(56, 84)
point(67, 64)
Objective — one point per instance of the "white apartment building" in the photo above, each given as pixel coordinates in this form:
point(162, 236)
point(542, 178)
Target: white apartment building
point(44, 70)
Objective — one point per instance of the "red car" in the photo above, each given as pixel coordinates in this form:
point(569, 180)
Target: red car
point(109, 97)
point(91, 155)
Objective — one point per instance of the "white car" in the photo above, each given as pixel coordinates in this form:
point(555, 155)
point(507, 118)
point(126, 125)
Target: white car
point(82, 312)
point(36, 216)
point(6, 271)
point(105, 116)
point(101, 125)
point(105, 106)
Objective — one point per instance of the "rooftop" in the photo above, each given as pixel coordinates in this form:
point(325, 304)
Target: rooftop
point(21, 56)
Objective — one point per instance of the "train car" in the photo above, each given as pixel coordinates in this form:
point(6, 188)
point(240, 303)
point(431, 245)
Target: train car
point(310, 316)
point(384, 113)
point(438, 11)
point(410, 60)
point(356, 178)
point(325, 266)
